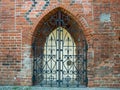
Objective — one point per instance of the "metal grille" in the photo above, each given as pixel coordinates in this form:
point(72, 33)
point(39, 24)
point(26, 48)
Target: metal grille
point(60, 58)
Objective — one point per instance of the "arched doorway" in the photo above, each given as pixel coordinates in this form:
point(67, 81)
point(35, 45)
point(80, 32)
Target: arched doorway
point(59, 51)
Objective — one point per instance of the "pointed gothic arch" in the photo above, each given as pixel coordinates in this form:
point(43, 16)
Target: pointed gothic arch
point(79, 19)
point(55, 19)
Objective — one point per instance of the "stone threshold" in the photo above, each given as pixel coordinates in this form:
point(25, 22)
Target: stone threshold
point(50, 88)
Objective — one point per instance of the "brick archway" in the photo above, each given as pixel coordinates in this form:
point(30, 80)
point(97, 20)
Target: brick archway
point(81, 21)
point(82, 26)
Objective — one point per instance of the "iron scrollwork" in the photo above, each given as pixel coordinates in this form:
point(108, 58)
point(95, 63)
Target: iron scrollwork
point(60, 54)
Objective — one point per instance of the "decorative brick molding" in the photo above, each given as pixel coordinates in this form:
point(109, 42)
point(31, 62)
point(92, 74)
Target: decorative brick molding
point(98, 19)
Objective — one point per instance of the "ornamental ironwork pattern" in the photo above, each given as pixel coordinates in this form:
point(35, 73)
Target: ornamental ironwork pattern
point(59, 51)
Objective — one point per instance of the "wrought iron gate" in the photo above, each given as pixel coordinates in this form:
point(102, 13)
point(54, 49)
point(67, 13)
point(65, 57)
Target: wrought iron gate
point(59, 60)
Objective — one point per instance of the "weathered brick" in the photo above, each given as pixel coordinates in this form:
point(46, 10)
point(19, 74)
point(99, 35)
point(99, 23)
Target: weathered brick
point(98, 19)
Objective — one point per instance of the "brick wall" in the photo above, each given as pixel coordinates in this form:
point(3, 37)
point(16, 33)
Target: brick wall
point(99, 20)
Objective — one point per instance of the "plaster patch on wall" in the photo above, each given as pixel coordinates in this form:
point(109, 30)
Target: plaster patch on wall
point(105, 17)
point(27, 63)
point(26, 57)
point(90, 55)
point(87, 7)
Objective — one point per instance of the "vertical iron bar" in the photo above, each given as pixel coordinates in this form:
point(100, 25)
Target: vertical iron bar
point(59, 55)
point(35, 61)
point(86, 62)
point(62, 55)
point(46, 59)
point(59, 24)
point(73, 61)
point(56, 56)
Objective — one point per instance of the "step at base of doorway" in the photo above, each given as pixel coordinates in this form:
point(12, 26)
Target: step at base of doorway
point(50, 88)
